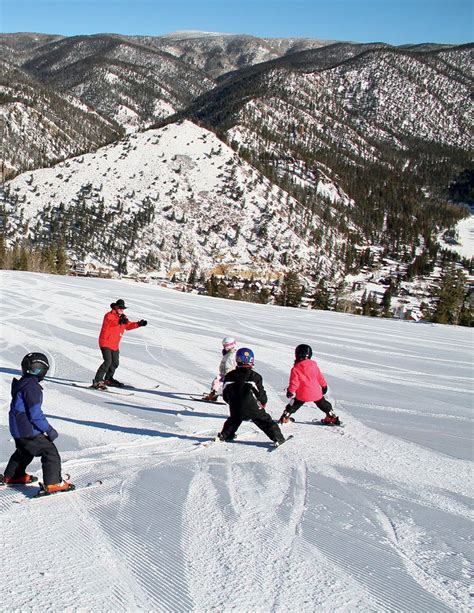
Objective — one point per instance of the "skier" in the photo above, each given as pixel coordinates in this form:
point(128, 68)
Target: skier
point(113, 326)
point(307, 384)
point(32, 433)
point(227, 364)
point(246, 397)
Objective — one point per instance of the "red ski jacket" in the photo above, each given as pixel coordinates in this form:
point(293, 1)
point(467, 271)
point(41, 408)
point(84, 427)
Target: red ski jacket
point(306, 381)
point(112, 331)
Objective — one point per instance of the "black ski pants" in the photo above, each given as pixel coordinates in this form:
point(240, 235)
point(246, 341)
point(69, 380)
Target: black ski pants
point(295, 404)
point(108, 367)
point(260, 418)
point(37, 447)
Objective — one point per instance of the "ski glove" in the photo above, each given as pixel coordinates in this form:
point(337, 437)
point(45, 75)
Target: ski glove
point(324, 390)
point(51, 434)
point(142, 322)
point(123, 319)
point(290, 394)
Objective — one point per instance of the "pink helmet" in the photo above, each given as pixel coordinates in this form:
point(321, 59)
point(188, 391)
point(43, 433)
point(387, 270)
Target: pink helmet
point(228, 343)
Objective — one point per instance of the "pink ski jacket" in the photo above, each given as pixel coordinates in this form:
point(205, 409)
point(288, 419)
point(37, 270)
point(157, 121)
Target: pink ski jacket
point(306, 381)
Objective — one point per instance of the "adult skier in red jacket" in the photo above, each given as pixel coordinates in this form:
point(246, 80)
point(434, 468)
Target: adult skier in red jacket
point(114, 325)
point(307, 384)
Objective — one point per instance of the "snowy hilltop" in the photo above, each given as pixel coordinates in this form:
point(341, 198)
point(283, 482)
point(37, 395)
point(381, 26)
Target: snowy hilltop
point(375, 516)
point(203, 206)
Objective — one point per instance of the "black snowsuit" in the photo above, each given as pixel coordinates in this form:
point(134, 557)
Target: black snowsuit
point(246, 397)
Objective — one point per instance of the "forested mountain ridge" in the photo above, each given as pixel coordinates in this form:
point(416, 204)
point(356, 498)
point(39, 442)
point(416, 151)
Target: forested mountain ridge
point(40, 126)
point(130, 83)
point(391, 128)
point(359, 152)
point(173, 199)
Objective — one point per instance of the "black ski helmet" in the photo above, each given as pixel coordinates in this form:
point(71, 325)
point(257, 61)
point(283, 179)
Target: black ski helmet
point(303, 352)
point(36, 364)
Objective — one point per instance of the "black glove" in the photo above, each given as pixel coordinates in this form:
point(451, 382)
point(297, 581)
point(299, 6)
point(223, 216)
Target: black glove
point(324, 389)
point(290, 394)
point(142, 322)
point(52, 434)
point(123, 319)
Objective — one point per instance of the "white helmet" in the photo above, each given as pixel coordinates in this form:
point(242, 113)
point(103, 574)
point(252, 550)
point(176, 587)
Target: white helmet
point(228, 343)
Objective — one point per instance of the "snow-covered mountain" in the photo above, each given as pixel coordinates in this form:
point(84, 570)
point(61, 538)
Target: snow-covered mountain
point(217, 54)
point(20, 46)
point(132, 84)
point(342, 154)
point(371, 100)
point(192, 201)
point(40, 126)
point(373, 517)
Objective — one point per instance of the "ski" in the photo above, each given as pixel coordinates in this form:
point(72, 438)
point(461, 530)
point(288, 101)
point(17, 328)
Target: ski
point(105, 390)
point(291, 420)
point(125, 386)
point(34, 480)
point(216, 439)
point(209, 442)
point(201, 399)
point(318, 422)
point(274, 448)
point(41, 494)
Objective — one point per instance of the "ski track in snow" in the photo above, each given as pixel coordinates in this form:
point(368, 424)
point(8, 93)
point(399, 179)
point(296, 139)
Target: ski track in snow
point(378, 519)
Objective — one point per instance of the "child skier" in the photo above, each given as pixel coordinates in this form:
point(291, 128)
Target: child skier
point(113, 326)
point(307, 384)
point(227, 364)
point(246, 397)
point(32, 433)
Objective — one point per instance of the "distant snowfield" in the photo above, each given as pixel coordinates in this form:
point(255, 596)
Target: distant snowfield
point(374, 517)
point(465, 229)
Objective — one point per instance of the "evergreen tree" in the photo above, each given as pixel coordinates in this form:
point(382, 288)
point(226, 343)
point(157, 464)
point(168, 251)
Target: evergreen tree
point(466, 316)
point(193, 275)
point(3, 252)
point(48, 259)
point(291, 291)
point(222, 290)
point(24, 259)
point(212, 287)
point(386, 302)
point(373, 305)
point(320, 298)
point(61, 259)
point(450, 296)
point(263, 297)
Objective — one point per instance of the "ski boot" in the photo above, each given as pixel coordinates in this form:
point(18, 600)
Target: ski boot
point(279, 441)
point(23, 480)
point(99, 385)
point(211, 397)
point(331, 419)
point(114, 383)
point(55, 488)
point(286, 418)
point(222, 438)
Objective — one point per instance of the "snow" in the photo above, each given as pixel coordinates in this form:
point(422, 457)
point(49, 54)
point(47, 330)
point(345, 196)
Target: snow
point(373, 517)
point(465, 238)
point(187, 173)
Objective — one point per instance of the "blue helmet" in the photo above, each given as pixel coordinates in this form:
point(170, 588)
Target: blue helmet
point(244, 357)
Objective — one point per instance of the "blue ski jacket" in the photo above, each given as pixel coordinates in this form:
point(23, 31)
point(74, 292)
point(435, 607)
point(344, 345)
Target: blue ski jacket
point(26, 416)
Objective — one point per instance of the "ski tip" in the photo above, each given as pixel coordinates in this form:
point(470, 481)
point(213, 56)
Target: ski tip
point(274, 447)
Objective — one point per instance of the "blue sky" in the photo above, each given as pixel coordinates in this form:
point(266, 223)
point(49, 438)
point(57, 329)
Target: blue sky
point(391, 21)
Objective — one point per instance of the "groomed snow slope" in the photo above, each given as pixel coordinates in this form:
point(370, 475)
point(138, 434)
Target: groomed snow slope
point(373, 517)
